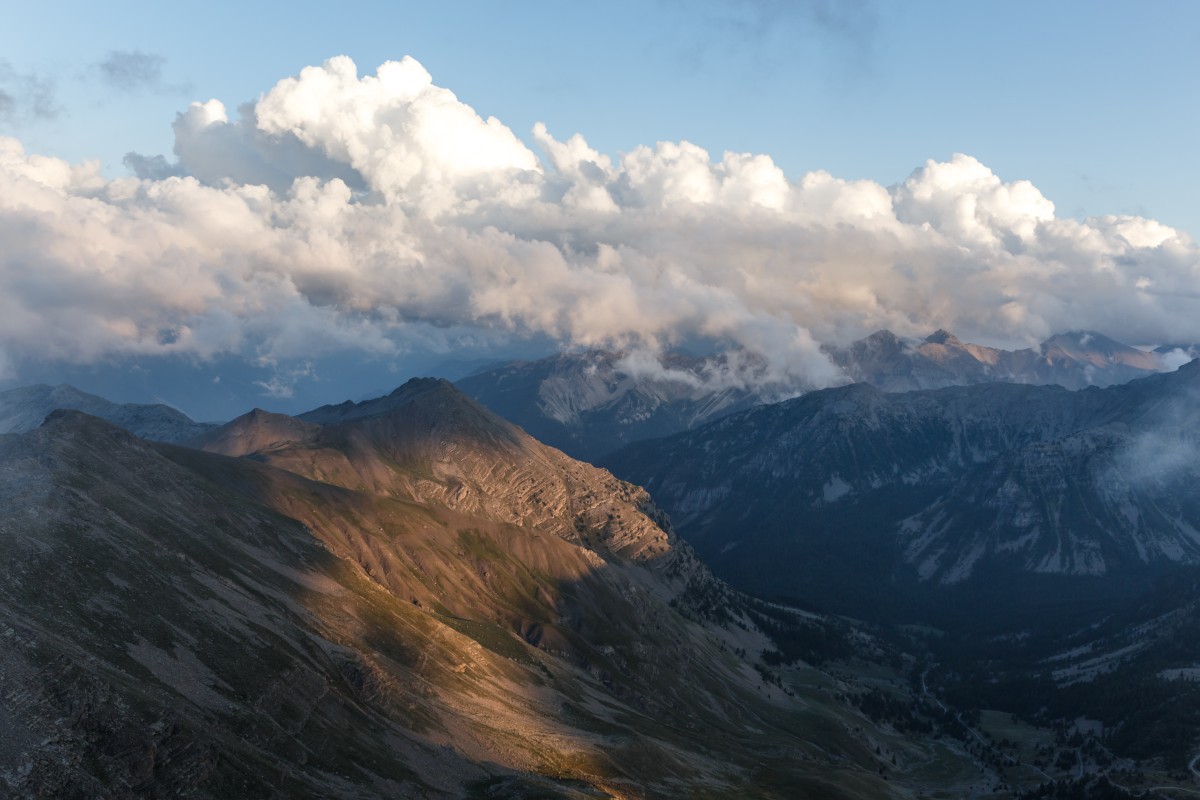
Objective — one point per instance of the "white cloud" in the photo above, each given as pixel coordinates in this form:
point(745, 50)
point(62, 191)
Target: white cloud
point(341, 212)
point(282, 384)
point(1175, 358)
point(963, 200)
point(406, 138)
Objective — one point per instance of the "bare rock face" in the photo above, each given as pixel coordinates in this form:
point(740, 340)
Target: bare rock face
point(403, 598)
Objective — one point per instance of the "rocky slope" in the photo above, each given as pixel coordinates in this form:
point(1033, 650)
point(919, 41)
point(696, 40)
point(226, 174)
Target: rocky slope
point(23, 409)
point(861, 500)
point(411, 598)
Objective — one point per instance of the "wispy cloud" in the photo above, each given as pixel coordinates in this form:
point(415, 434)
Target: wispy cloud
point(282, 384)
point(135, 72)
point(26, 96)
point(765, 31)
point(852, 21)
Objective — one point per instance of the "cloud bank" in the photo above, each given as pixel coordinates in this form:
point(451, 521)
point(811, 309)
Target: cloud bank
point(345, 212)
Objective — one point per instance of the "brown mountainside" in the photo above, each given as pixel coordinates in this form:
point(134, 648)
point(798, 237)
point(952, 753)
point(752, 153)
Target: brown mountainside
point(420, 602)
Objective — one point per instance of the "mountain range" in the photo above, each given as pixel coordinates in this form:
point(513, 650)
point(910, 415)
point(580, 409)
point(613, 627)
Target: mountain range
point(1001, 496)
point(592, 403)
point(1074, 360)
point(24, 408)
point(412, 596)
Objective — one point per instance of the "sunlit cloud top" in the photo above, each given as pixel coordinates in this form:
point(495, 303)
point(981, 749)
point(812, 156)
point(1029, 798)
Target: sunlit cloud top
point(342, 211)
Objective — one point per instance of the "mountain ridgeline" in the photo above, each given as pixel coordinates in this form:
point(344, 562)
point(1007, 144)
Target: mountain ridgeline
point(1074, 360)
point(407, 597)
point(998, 497)
point(24, 409)
point(592, 403)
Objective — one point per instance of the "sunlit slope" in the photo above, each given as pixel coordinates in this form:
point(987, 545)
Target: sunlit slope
point(191, 623)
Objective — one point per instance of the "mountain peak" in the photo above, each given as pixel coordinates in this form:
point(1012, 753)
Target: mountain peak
point(881, 343)
point(64, 424)
point(1097, 350)
point(254, 431)
point(943, 336)
point(1084, 340)
point(409, 391)
point(416, 386)
point(426, 403)
point(883, 335)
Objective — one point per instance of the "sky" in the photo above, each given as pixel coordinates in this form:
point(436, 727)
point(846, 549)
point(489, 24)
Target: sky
point(769, 175)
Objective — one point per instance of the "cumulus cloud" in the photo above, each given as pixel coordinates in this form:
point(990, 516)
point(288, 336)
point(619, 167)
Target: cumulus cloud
point(347, 212)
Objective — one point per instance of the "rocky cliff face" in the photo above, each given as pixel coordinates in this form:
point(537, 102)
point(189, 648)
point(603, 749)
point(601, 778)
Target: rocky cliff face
point(853, 492)
point(409, 599)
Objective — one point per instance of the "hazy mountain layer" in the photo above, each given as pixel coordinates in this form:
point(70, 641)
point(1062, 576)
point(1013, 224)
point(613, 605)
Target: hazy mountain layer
point(24, 409)
point(591, 404)
point(1074, 360)
point(847, 496)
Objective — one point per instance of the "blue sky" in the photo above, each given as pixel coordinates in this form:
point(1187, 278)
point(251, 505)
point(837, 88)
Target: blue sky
point(767, 176)
point(1095, 102)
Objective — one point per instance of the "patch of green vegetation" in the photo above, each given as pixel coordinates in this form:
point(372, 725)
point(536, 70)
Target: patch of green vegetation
point(497, 640)
point(478, 545)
